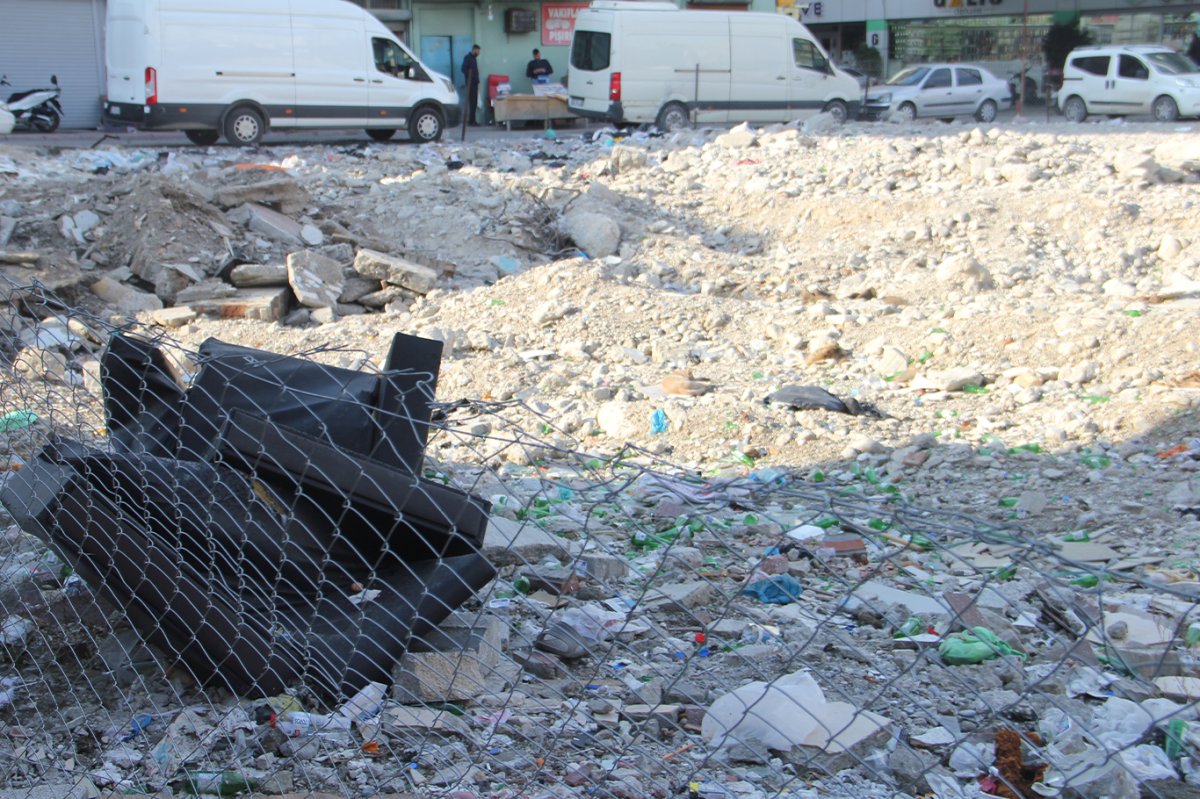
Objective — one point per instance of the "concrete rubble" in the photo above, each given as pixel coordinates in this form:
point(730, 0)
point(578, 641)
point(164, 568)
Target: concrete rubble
point(970, 570)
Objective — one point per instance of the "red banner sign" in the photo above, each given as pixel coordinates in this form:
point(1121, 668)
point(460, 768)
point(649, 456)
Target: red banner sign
point(558, 23)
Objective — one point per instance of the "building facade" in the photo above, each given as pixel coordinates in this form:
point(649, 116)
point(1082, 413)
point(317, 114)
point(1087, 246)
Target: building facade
point(66, 37)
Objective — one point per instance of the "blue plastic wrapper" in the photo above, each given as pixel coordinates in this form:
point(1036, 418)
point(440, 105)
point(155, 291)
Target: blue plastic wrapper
point(779, 589)
point(659, 422)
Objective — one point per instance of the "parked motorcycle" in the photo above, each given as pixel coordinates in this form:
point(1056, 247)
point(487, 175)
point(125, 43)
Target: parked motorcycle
point(35, 109)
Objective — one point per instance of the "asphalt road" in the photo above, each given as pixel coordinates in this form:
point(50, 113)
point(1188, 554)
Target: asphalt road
point(86, 139)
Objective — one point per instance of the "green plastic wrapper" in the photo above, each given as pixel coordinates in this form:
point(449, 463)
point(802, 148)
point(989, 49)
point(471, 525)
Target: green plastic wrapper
point(975, 646)
point(17, 420)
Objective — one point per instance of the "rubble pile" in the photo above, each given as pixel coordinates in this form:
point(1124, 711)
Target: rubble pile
point(854, 464)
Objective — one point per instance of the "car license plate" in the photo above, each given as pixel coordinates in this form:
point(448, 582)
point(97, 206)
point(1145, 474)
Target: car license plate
point(575, 101)
point(114, 110)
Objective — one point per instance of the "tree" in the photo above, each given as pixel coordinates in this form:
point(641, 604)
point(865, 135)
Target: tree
point(1061, 39)
point(868, 60)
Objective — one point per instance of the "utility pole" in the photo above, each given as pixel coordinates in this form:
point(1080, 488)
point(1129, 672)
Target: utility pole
point(1024, 59)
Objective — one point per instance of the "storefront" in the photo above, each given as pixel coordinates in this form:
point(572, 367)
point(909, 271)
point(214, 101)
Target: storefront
point(997, 33)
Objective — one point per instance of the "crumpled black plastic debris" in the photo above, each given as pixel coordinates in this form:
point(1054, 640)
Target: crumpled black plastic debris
point(815, 398)
point(268, 525)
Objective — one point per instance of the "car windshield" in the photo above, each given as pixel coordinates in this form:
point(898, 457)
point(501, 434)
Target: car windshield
point(909, 77)
point(1172, 63)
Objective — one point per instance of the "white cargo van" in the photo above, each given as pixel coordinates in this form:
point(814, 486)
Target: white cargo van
point(641, 61)
point(1129, 79)
point(238, 67)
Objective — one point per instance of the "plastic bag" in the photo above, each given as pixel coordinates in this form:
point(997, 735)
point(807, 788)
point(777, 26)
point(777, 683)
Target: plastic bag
point(976, 646)
point(778, 589)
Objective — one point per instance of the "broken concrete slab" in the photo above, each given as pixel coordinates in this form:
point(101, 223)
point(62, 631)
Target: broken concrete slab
point(457, 660)
point(678, 597)
point(397, 271)
point(508, 542)
point(173, 317)
point(246, 276)
point(282, 191)
point(274, 225)
point(265, 305)
point(316, 280)
point(125, 299)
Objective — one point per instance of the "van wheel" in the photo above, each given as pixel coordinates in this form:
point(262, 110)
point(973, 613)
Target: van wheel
point(381, 134)
point(1165, 109)
point(244, 126)
point(1074, 109)
point(987, 111)
point(836, 109)
point(204, 138)
point(426, 124)
point(672, 117)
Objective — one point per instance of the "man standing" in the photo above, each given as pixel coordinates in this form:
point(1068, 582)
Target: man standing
point(539, 69)
point(470, 73)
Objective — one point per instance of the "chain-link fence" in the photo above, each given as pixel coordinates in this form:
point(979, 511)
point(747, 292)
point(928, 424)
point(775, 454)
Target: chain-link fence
point(232, 571)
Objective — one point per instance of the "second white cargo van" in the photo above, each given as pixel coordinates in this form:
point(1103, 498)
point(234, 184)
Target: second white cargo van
point(651, 62)
point(238, 67)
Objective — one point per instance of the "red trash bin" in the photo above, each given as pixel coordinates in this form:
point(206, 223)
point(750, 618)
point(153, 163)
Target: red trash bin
point(493, 88)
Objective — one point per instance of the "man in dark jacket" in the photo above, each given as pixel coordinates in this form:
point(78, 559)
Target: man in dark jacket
point(470, 73)
point(539, 69)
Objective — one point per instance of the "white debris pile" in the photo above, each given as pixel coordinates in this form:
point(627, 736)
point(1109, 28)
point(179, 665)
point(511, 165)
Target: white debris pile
point(853, 463)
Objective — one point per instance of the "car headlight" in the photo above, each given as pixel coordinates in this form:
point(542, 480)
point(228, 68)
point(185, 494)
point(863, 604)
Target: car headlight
point(882, 99)
point(449, 85)
point(1187, 83)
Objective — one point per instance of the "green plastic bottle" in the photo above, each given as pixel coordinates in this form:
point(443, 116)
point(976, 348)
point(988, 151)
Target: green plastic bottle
point(914, 626)
point(217, 783)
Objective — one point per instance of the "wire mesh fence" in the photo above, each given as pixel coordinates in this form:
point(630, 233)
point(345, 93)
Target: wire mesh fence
point(230, 571)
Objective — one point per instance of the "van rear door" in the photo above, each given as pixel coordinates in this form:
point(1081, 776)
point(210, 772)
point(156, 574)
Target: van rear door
point(589, 82)
point(126, 54)
point(758, 78)
point(332, 47)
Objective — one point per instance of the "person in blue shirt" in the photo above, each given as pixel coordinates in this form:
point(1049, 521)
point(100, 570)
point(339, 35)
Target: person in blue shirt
point(470, 73)
point(539, 69)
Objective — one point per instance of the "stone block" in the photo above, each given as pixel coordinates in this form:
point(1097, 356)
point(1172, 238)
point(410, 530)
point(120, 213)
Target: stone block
point(397, 271)
point(248, 276)
point(678, 596)
point(508, 543)
point(281, 191)
point(265, 305)
point(125, 299)
point(274, 225)
point(457, 660)
point(316, 280)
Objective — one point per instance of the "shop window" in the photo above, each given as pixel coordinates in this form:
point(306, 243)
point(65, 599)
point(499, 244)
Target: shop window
point(1092, 64)
point(969, 77)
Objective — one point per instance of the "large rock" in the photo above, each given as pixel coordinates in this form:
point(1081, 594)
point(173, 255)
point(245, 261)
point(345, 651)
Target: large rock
point(597, 235)
point(125, 299)
point(397, 271)
point(317, 281)
point(740, 136)
point(965, 271)
point(248, 276)
point(274, 225)
point(282, 191)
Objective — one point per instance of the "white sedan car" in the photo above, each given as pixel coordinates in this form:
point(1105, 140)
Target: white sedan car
point(943, 91)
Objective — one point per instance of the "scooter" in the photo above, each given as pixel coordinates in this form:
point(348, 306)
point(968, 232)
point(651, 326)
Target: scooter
point(35, 109)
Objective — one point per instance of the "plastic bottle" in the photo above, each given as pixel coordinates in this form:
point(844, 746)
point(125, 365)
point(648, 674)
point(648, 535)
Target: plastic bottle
point(298, 724)
point(218, 783)
point(914, 626)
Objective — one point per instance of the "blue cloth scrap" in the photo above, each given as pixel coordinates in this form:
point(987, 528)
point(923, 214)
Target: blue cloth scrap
point(659, 422)
point(778, 589)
